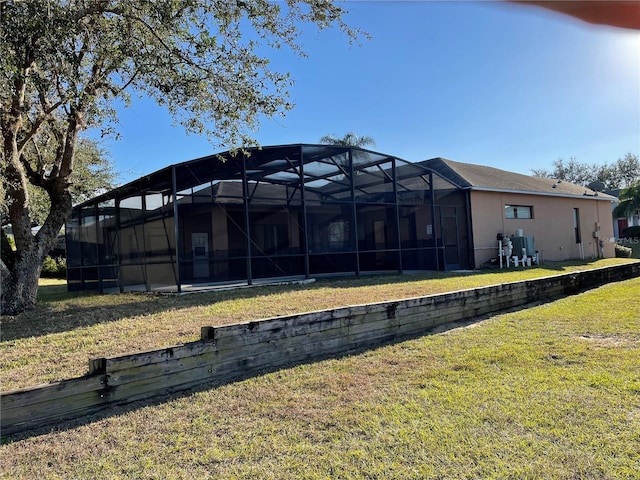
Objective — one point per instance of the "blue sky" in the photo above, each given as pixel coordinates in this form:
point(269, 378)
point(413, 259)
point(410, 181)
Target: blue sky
point(510, 86)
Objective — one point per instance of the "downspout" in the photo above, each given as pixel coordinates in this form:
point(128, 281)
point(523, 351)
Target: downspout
point(599, 241)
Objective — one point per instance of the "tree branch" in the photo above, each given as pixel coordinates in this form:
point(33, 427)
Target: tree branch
point(34, 177)
point(169, 50)
point(37, 123)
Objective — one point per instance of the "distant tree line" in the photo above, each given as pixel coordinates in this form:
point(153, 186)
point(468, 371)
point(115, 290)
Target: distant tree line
point(622, 173)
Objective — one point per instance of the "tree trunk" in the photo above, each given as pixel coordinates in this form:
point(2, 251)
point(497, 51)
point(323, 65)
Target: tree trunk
point(20, 282)
point(20, 287)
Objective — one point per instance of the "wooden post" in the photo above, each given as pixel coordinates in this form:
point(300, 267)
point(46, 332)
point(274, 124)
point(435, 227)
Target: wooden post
point(207, 333)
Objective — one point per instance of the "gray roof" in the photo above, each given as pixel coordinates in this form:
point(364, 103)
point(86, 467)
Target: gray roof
point(479, 177)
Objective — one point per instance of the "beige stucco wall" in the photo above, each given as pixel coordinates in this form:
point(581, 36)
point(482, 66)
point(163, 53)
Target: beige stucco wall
point(551, 225)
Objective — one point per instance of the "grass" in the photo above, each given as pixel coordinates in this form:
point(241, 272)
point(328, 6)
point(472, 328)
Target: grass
point(551, 391)
point(56, 340)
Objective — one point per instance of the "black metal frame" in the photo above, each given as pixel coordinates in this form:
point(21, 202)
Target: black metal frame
point(293, 210)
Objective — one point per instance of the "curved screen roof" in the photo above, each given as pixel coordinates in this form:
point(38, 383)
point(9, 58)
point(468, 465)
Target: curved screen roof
point(322, 168)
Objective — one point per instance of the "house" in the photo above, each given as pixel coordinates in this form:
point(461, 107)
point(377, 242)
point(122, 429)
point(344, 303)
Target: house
point(298, 211)
point(565, 220)
point(620, 224)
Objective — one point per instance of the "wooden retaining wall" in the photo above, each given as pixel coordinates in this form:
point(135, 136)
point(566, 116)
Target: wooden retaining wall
point(233, 351)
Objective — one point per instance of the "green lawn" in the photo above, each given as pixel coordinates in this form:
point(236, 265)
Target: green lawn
point(56, 340)
point(551, 391)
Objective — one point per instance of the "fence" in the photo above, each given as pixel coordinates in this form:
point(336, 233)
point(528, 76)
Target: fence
point(229, 352)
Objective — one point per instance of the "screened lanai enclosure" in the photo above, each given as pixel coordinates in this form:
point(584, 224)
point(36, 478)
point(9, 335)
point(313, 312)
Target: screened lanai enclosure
point(294, 211)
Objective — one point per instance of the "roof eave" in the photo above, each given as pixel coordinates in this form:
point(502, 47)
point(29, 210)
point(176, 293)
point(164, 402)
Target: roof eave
point(543, 194)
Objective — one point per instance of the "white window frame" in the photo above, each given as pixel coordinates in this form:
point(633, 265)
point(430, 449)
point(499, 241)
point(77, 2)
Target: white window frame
point(518, 212)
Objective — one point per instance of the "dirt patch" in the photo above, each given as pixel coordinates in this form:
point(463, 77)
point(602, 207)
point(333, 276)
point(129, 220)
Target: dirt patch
point(611, 341)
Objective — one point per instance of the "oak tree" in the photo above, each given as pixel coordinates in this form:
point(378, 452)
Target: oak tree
point(93, 173)
point(64, 64)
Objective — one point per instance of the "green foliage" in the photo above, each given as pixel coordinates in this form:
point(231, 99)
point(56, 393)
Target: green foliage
point(54, 268)
point(205, 61)
point(629, 201)
point(622, 173)
point(93, 174)
point(351, 139)
point(66, 64)
point(623, 252)
point(631, 232)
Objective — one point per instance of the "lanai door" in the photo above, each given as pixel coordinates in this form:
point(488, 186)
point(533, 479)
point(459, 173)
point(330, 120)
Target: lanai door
point(200, 248)
point(450, 238)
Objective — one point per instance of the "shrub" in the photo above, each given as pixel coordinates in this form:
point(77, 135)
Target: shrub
point(623, 252)
point(631, 232)
point(54, 268)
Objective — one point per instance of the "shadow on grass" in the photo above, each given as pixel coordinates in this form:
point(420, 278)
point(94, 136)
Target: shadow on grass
point(562, 266)
point(60, 311)
point(115, 410)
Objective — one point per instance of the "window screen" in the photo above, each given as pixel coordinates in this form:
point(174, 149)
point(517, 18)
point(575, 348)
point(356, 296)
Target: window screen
point(518, 211)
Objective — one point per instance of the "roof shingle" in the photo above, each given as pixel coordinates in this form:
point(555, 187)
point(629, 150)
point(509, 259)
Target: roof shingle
point(480, 177)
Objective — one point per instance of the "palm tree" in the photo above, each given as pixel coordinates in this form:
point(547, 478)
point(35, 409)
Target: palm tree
point(629, 201)
point(350, 139)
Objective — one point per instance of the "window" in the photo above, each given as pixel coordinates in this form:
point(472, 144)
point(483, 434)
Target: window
point(518, 211)
point(576, 225)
